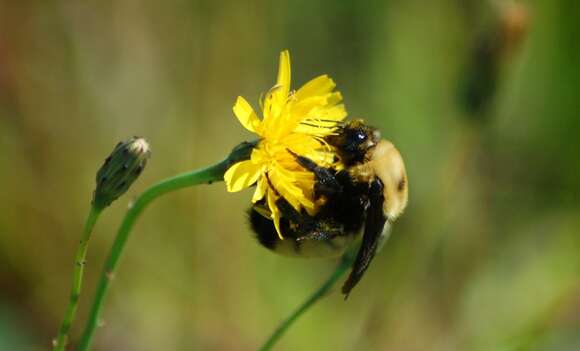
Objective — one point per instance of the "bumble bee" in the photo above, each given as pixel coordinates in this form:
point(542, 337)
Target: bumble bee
point(362, 199)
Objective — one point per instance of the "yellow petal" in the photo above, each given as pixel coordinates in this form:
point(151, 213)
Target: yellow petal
point(275, 213)
point(261, 188)
point(321, 121)
point(241, 175)
point(267, 102)
point(246, 115)
point(283, 81)
point(335, 113)
point(306, 105)
point(282, 182)
point(318, 86)
point(318, 109)
point(310, 207)
point(258, 155)
point(275, 103)
point(300, 144)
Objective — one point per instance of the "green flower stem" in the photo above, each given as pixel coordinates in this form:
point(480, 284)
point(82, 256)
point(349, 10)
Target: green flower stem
point(344, 265)
point(79, 268)
point(205, 175)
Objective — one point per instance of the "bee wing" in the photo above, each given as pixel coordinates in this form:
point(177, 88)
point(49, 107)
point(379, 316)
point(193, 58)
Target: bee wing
point(374, 227)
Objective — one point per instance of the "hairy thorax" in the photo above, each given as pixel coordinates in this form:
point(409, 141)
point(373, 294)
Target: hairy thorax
point(385, 163)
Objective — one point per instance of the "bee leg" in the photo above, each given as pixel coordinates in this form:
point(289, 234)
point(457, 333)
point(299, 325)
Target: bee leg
point(317, 235)
point(374, 227)
point(325, 236)
point(326, 182)
point(300, 222)
point(323, 230)
point(291, 213)
point(323, 240)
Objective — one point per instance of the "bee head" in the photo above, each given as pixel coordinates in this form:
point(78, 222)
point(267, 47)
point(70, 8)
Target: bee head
point(353, 141)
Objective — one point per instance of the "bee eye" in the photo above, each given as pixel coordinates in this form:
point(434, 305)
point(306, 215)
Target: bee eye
point(361, 136)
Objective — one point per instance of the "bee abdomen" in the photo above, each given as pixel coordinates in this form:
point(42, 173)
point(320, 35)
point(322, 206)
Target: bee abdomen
point(319, 243)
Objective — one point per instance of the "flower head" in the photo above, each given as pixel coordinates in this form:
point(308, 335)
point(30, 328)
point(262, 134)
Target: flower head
point(292, 122)
point(120, 170)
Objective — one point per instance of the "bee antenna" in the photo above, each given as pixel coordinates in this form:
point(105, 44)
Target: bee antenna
point(327, 120)
point(317, 126)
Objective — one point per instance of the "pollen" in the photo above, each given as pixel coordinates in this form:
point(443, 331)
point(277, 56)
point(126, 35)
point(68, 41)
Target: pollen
point(292, 122)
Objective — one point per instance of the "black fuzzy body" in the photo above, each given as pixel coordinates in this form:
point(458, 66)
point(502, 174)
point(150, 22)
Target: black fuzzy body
point(343, 214)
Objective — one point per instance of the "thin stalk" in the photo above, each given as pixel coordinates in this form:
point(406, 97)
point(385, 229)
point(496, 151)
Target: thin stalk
point(79, 268)
point(205, 175)
point(344, 265)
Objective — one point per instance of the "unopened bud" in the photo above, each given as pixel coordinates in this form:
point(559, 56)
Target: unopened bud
point(120, 170)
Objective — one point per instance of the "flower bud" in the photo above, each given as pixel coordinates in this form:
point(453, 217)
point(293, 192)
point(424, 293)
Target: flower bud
point(120, 170)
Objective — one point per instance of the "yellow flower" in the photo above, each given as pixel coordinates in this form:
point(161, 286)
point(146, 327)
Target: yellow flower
point(292, 120)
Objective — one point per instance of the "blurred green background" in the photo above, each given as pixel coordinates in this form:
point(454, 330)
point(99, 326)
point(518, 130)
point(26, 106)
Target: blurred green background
point(482, 99)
